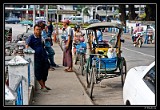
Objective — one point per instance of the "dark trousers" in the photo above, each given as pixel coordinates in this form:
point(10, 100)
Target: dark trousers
point(41, 69)
point(51, 54)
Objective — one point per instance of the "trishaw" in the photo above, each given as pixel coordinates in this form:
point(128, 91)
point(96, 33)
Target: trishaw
point(99, 66)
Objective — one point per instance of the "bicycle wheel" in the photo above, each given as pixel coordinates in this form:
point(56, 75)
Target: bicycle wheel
point(88, 75)
point(93, 80)
point(82, 64)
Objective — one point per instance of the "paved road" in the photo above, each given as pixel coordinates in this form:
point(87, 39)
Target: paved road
point(111, 91)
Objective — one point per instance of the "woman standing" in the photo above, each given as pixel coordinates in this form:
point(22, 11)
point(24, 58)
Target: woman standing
point(67, 53)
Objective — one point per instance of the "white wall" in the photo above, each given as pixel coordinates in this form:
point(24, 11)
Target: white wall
point(67, 7)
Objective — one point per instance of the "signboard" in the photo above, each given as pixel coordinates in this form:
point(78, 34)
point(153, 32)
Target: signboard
point(66, 12)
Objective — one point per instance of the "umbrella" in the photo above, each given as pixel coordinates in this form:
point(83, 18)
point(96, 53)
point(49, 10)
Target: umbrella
point(38, 21)
point(26, 22)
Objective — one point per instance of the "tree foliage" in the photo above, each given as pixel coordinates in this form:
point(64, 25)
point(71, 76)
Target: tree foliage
point(150, 11)
point(122, 10)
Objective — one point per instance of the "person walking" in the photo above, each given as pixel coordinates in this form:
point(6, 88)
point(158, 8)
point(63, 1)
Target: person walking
point(67, 53)
point(149, 32)
point(78, 38)
point(35, 41)
point(50, 30)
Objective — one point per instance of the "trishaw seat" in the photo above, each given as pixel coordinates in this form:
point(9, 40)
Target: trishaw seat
point(107, 63)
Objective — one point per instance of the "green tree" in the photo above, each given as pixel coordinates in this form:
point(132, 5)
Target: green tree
point(132, 13)
point(122, 10)
point(85, 11)
point(150, 11)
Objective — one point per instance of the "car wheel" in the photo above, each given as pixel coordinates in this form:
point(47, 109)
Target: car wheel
point(127, 102)
point(123, 71)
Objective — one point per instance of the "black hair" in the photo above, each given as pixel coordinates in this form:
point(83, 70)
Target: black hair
point(42, 25)
point(50, 21)
point(37, 25)
point(75, 28)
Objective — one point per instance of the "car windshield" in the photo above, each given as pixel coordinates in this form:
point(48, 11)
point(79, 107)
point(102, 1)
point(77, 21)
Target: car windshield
point(149, 78)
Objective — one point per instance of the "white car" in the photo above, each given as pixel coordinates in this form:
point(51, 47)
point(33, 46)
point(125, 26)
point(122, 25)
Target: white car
point(139, 86)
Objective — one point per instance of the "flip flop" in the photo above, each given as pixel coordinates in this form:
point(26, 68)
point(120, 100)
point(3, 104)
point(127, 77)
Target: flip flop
point(65, 69)
point(70, 71)
point(51, 69)
point(44, 89)
point(48, 88)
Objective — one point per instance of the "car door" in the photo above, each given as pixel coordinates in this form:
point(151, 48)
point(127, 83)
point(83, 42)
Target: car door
point(145, 91)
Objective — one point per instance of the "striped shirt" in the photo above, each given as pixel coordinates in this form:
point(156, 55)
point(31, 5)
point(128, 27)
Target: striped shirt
point(149, 31)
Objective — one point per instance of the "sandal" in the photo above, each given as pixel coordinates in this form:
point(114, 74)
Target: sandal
point(44, 89)
point(70, 71)
point(66, 69)
point(48, 88)
point(51, 69)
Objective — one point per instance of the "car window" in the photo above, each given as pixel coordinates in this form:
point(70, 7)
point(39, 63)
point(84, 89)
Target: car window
point(149, 79)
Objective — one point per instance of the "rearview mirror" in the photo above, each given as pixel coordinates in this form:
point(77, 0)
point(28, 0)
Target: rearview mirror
point(122, 40)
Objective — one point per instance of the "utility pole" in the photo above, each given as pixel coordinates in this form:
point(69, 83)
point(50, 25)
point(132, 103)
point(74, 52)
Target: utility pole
point(27, 12)
point(139, 10)
point(106, 13)
point(34, 15)
point(46, 13)
point(39, 10)
point(57, 20)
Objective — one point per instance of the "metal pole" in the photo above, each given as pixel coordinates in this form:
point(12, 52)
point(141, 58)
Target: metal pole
point(57, 21)
point(39, 10)
point(106, 13)
point(139, 10)
point(34, 15)
point(27, 12)
point(46, 13)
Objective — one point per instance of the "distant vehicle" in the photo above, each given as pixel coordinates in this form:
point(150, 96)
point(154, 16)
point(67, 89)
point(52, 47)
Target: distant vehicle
point(27, 22)
point(24, 36)
point(12, 20)
point(8, 34)
point(93, 21)
point(139, 86)
point(76, 19)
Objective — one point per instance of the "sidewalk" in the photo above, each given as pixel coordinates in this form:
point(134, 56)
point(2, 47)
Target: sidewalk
point(66, 87)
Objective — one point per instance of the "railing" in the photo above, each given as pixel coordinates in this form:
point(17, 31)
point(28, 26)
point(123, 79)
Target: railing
point(23, 67)
point(29, 79)
point(19, 91)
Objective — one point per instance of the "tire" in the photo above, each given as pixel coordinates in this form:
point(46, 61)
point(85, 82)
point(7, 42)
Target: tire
point(139, 43)
point(88, 74)
point(82, 64)
point(92, 82)
point(123, 71)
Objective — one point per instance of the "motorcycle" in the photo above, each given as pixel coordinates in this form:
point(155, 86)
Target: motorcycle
point(150, 39)
point(138, 39)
